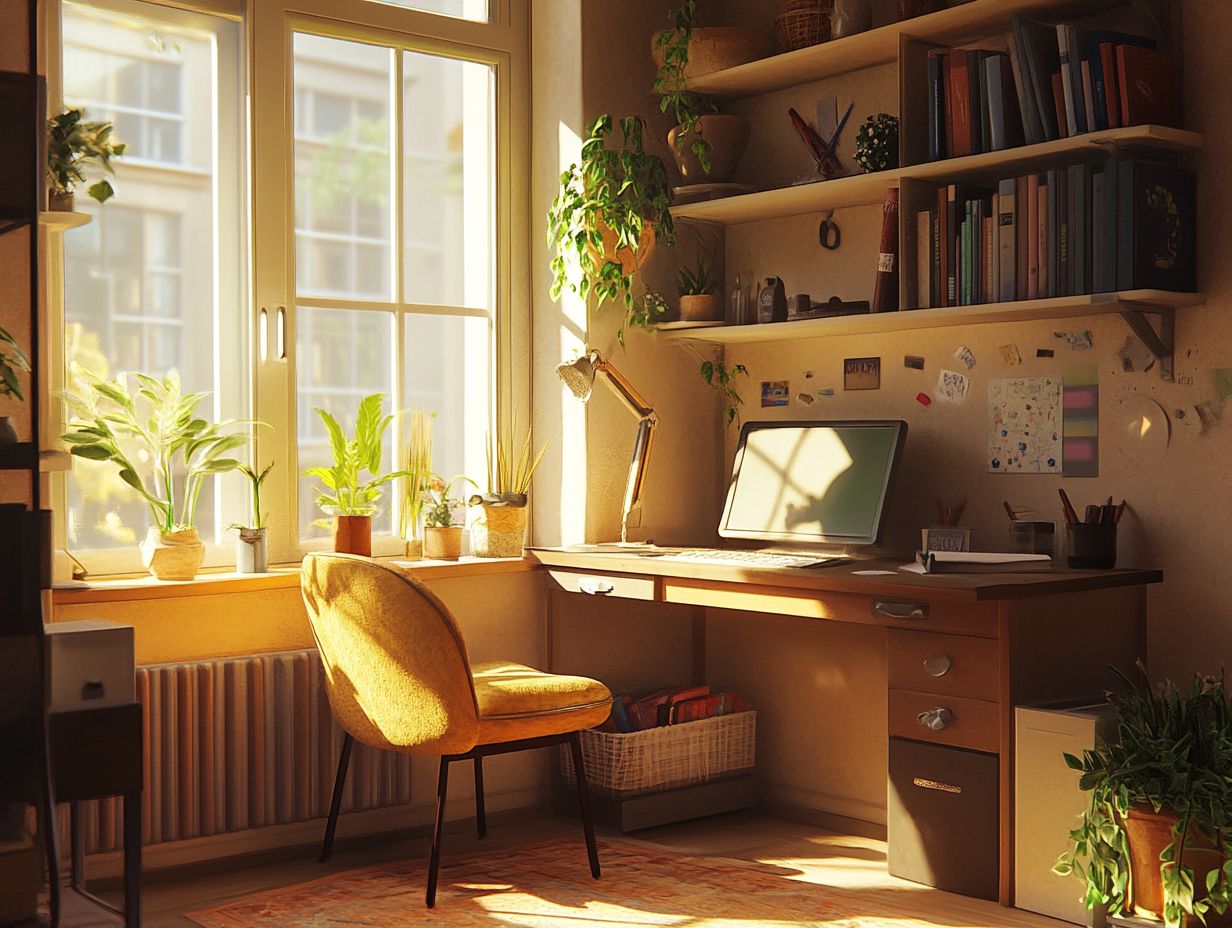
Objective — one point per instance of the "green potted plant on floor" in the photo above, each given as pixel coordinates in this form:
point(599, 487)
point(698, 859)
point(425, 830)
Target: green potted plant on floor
point(12, 362)
point(610, 211)
point(442, 540)
point(501, 530)
point(165, 452)
point(74, 145)
point(1156, 838)
point(251, 553)
point(342, 494)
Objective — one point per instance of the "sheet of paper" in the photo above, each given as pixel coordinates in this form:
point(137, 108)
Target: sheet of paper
point(1024, 425)
point(952, 387)
point(873, 573)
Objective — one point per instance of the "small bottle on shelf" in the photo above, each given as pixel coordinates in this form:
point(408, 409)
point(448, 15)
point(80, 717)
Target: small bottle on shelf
point(735, 314)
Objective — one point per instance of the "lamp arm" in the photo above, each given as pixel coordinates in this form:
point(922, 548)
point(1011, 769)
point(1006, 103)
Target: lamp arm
point(626, 391)
point(636, 481)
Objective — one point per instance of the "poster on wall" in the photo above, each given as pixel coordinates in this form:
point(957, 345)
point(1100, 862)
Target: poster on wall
point(1024, 425)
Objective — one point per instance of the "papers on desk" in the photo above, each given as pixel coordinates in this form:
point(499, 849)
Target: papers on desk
point(976, 562)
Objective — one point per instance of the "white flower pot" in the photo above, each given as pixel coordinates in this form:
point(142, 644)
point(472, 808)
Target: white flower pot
point(251, 555)
point(173, 556)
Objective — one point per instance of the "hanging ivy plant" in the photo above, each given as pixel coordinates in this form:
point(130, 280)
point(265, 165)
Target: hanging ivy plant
point(675, 99)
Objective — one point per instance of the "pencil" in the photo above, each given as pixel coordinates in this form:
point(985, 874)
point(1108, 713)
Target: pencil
point(1010, 511)
point(1071, 515)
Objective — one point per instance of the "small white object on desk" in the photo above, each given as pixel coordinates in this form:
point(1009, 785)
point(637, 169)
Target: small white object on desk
point(976, 562)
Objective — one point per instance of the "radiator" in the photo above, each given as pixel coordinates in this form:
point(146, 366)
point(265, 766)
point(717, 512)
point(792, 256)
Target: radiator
point(242, 743)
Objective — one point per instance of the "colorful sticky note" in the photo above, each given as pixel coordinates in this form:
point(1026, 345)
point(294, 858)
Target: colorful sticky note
point(1081, 430)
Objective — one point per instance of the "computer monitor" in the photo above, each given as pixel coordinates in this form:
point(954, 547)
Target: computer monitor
point(812, 482)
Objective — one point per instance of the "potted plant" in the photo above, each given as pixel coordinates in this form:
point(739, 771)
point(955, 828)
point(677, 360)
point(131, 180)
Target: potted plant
point(352, 503)
point(711, 48)
point(501, 531)
point(12, 360)
point(442, 540)
point(609, 212)
point(251, 553)
point(698, 299)
point(161, 446)
point(707, 145)
point(1156, 838)
point(73, 144)
point(418, 472)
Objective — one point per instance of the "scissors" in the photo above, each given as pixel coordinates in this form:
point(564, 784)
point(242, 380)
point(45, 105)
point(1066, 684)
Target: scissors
point(824, 154)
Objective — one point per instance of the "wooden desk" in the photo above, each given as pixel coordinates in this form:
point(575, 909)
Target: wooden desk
point(1002, 639)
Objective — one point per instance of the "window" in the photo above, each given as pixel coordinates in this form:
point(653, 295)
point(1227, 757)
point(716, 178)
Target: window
point(462, 9)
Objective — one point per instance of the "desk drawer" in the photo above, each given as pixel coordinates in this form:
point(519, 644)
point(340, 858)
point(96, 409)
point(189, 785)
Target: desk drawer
point(969, 723)
point(948, 665)
point(611, 586)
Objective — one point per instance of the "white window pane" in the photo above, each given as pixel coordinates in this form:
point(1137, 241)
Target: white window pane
point(448, 362)
point(342, 168)
point(476, 10)
point(341, 356)
point(448, 210)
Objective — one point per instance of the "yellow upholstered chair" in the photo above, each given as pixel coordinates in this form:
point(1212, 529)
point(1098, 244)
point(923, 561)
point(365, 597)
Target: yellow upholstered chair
point(398, 678)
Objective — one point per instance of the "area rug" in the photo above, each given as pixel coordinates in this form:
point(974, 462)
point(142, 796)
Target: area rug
point(549, 886)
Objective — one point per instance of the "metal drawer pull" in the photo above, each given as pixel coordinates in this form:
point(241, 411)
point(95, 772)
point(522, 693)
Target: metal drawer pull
point(596, 587)
point(888, 609)
point(938, 665)
point(936, 719)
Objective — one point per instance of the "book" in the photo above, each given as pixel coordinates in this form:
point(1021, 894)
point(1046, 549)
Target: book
point(1097, 233)
point(1004, 116)
point(937, 295)
point(1007, 245)
point(1146, 80)
point(1079, 230)
point(981, 136)
point(885, 289)
point(987, 257)
point(976, 562)
point(1062, 228)
point(951, 233)
point(1069, 78)
point(1102, 53)
point(1032, 229)
point(994, 253)
point(1088, 95)
point(937, 83)
point(1156, 227)
point(1053, 236)
point(923, 258)
point(1041, 232)
point(1107, 268)
point(1058, 96)
point(959, 104)
point(1032, 129)
point(1041, 60)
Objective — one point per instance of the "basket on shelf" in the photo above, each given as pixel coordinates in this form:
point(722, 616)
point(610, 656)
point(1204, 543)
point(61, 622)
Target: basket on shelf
point(620, 765)
point(801, 23)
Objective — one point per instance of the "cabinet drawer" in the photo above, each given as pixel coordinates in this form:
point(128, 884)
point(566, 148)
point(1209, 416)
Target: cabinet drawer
point(971, 723)
point(948, 665)
point(612, 586)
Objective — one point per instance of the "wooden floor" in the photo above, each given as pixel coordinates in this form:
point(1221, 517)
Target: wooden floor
point(818, 857)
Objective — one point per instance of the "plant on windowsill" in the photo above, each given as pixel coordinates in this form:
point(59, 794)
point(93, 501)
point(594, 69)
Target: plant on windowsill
point(251, 553)
point(418, 473)
point(352, 503)
point(697, 288)
point(1156, 838)
point(501, 532)
point(12, 361)
point(707, 145)
point(165, 452)
point(609, 212)
point(442, 534)
point(73, 145)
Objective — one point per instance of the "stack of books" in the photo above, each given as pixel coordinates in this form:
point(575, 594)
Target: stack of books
point(671, 707)
point(1120, 225)
point(1055, 81)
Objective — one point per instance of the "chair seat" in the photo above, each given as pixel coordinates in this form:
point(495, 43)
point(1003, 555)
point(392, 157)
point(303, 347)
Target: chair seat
point(517, 702)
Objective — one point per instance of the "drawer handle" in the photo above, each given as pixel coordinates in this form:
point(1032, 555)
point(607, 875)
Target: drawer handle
point(936, 719)
point(596, 587)
point(938, 665)
point(888, 609)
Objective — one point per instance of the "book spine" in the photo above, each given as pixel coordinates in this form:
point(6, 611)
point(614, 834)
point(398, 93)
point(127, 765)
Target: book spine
point(1067, 80)
point(1099, 89)
point(1032, 130)
point(936, 108)
point(960, 103)
point(1007, 244)
point(1041, 231)
point(1058, 95)
point(1020, 222)
point(1063, 207)
point(1054, 222)
point(951, 245)
point(966, 254)
point(1036, 64)
point(1088, 96)
point(981, 137)
point(1122, 87)
point(885, 292)
point(1127, 173)
point(987, 257)
point(938, 297)
point(1033, 237)
point(1098, 263)
point(996, 103)
point(923, 258)
point(1088, 282)
point(994, 251)
point(1111, 202)
point(1112, 95)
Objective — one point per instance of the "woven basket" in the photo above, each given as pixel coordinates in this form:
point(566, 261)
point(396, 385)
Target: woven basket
point(801, 28)
point(620, 765)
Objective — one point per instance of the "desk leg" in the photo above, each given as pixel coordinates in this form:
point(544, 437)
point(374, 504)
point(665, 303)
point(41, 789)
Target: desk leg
point(699, 645)
point(132, 860)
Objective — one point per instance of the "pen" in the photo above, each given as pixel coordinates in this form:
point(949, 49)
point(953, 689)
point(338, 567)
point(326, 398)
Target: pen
point(1070, 515)
point(1010, 511)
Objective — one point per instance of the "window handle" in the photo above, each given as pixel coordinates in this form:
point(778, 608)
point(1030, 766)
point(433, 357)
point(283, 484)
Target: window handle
point(280, 341)
point(263, 334)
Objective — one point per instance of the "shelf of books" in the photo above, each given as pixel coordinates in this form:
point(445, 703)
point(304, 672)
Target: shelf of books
point(910, 320)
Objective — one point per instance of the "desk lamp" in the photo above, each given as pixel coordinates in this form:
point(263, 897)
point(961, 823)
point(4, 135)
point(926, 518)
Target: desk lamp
point(579, 376)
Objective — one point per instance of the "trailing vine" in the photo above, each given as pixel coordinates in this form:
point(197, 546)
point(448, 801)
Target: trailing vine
point(716, 374)
point(675, 99)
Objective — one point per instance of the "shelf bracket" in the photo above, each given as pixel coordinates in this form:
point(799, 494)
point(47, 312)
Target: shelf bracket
point(1161, 344)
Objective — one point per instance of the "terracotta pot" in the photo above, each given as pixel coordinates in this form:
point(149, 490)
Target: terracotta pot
point(353, 535)
point(442, 543)
point(60, 202)
point(700, 307)
point(728, 136)
point(630, 262)
point(501, 532)
point(713, 48)
point(174, 555)
point(1149, 832)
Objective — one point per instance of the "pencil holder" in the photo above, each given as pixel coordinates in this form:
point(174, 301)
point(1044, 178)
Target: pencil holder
point(1091, 546)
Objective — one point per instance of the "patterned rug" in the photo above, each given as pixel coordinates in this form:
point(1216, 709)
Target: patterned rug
point(549, 886)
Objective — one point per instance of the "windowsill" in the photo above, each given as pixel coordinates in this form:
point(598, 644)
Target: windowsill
point(214, 583)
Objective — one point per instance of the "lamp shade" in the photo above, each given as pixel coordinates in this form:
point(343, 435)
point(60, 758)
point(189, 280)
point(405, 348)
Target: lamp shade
point(578, 376)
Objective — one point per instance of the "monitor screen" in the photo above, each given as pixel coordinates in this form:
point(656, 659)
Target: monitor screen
point(812, 482)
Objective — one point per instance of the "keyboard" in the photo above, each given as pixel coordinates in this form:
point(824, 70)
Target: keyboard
point(751, 558)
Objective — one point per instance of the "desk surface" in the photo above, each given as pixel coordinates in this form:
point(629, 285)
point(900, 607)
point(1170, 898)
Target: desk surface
point(844, 578)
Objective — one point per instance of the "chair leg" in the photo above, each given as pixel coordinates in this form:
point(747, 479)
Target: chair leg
point(438, 831)
point(583, 796)
point(481, 821)
point(331, 823)
point(47, 834)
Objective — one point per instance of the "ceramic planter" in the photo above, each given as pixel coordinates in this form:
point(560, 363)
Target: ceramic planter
point(353, 535)
point(1149, 832)
point(442, 543)
point(8, 434)
point(713, 48)
point(501, 532)
point(630, 262)
point(728, 136)
point(60, 202)
point(173, 555)
point(700, 307)
point(251, 555)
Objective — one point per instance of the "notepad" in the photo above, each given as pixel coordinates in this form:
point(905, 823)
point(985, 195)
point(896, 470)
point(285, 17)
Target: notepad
point(976, 562)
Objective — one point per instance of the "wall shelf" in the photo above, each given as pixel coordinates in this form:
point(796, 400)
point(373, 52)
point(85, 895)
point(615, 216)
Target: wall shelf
point(870, 189)
point(1128, 302)
point(63, 219)
point(880, 46)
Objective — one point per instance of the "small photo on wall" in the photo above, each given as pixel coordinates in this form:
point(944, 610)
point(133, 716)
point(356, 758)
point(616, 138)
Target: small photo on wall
point(775, 393)
point(862, 374)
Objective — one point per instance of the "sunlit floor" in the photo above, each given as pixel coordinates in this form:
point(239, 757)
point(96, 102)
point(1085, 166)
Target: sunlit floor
point(803, 852)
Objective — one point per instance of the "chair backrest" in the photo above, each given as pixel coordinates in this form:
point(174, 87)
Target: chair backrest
point(395, 663)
